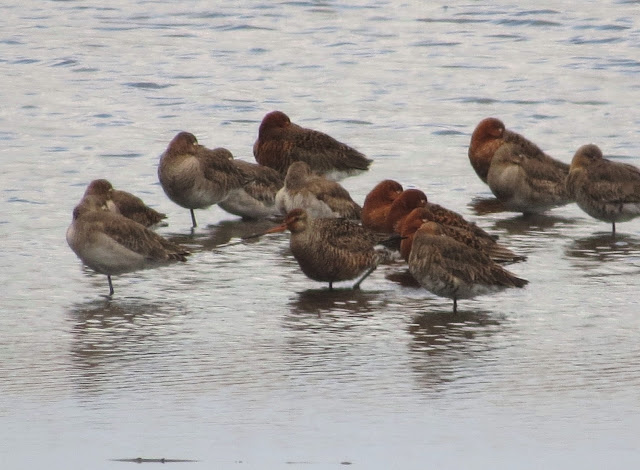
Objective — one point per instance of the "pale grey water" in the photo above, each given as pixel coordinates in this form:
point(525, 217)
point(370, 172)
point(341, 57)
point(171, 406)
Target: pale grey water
point(237, 360)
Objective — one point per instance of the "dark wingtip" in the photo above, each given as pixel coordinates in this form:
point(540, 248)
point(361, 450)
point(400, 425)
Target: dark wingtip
point(392, 242)
point(180, 256)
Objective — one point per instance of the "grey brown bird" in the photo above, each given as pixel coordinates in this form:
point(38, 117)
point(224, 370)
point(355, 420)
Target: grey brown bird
point(460, 232)
point(196, 177)
point(112, 244)
point(125, 203)
point(319, 196)
point(517, 171)
point(377, 204)
point(332, 250)
point(449, 268)
point(257, 198)
point(604, 189)
point(281, 142)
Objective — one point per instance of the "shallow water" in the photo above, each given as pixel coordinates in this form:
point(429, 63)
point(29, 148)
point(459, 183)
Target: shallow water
point(235, 359)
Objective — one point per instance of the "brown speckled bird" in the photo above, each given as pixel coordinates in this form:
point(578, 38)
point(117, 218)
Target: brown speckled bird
point(281, 142)
point(449, 268)
point(462, 233)
point(110, 244)
point(319, 196)
point(378, 203)
point(122, 202)
point(517, 171)
point(196, 177)
point(332, 250)
point(604, 189)
point(411, 199)
point(441, 215)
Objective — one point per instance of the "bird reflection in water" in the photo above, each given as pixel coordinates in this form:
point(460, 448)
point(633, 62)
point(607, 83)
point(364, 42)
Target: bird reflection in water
point(108, 336)
point(403, 277)
point(486, 205)
point(335, 303)
point(330, 334)
point(603, 247)
point(520, 224)
point(224, 233)
point(525, 231)
point(446, 346)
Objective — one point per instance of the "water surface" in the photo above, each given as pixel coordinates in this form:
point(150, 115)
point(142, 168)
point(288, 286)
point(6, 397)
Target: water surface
point(235, 359)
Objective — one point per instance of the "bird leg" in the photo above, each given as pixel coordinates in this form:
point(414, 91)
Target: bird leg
point(110, 285)
point(364, 276)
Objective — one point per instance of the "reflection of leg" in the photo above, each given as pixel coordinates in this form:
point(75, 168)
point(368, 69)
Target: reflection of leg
point(369, 271)
point(455, 300)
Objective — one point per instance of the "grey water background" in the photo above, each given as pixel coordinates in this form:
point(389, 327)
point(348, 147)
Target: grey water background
point(235, 359)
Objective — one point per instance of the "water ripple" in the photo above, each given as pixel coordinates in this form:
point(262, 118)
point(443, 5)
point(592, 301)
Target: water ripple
point(582, 40)
point(540, 23)
point(148, 85)
point(237, 346)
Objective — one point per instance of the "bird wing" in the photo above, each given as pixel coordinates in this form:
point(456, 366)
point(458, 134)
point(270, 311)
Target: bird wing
point(264, 182)
point(463, 262)
point(447, 217)
point(346, 235)
point(544, 175)
point(452, 260)
point(218, 165)
point(319, 149)
point(138, 238)
point(613, 182)
point(334, 195)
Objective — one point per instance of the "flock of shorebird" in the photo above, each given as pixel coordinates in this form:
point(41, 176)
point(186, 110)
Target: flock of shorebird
point(332, 237)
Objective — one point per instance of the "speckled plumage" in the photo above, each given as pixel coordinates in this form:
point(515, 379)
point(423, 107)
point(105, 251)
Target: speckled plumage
point(256, 199)
point(110, 243)
point(124, 203)
point(604, 189)
point(525, 183)
point(411, 199)
point(319, 196)
point(196, 177)
point(281, 142)
point(449, 268)
point(442, 215)
point(460, 232)
point(517, 171)
point(332, 250)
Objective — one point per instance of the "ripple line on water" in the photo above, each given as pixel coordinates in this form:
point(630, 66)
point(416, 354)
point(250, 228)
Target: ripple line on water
point(148, 85)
